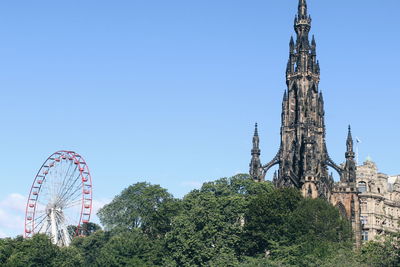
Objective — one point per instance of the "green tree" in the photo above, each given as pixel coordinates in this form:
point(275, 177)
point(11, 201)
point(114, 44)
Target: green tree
point(90, 246)
point(130, 249)
point(383, 252)
point(69, 257)
point(209, 227)
point(267, 219)
point(344, 258)
point(7, 246)
point(293, 231)
point(317, 220)
point(32, 252)
point(142, 205)
point(260, 262)
point(316, 232)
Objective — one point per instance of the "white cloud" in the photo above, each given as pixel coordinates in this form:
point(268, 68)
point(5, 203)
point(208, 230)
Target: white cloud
point(12, 212)
point(2, 235)
point(14, 201)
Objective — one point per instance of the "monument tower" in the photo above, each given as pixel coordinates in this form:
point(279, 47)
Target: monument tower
point(303, 158)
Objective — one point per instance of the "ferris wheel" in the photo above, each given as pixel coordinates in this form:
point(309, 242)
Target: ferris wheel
point(60, 199)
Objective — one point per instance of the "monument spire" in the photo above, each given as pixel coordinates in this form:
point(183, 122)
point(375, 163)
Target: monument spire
point(302, 8)
point(349, 144)
point(349, 172)
point(255, 164)
point(302, 156)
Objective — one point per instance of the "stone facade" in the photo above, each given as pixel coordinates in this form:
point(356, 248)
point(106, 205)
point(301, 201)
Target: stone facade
point(379, 201)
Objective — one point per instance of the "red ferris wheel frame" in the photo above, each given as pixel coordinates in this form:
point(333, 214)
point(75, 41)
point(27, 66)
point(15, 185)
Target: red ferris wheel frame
point(86, 183)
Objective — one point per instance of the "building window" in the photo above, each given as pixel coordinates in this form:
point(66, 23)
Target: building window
point(362, 187)
point(363, 206)
point(364, 235)
point(364, 220)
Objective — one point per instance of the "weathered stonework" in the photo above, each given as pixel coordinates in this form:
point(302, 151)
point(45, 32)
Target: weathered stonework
point(345, 198)
point(303, 158)
point(379, 201)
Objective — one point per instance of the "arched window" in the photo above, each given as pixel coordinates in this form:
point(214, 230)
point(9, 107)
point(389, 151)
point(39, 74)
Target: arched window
point(379, 190)
point(362, 187)
point(342, 209)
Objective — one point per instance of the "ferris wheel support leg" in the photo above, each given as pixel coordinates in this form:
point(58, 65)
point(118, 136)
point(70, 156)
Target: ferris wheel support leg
point(54, 234)
point(67, 238)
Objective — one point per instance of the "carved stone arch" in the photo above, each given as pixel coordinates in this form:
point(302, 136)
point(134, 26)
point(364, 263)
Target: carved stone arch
point(342, 210)
point(271, 164)
point(331, 164)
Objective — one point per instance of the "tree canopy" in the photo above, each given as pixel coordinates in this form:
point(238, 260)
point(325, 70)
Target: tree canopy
point(228, 222)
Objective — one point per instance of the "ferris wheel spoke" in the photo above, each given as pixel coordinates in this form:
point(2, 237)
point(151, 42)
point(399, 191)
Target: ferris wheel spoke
point(41, 227)
point(76, 202)
point(40, 216)
point(42, 212)
point(76, 194)
point(67, 194)
point(40, 223)
point(45, 186)
point(45, 192)
point(47, 228)
point(43, 201)
point(70, 186)
point(69, 220)
point(66, 180)
point(72, 191)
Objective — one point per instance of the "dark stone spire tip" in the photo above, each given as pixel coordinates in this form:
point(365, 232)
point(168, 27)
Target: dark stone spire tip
point(349, 142)
point(302, 8)
point(349, 135)
point(256, 129)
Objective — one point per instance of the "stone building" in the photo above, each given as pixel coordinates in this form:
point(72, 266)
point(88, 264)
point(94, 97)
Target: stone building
point(379, 200)
point(303, 158)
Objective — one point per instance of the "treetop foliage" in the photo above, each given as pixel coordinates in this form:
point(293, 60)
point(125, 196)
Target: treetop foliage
point(228, 222)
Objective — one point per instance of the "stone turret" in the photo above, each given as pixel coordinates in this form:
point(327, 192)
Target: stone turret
point(349, 172)
point(256, 171)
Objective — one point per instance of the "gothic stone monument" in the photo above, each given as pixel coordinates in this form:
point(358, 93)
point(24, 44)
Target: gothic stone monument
point(303, 157)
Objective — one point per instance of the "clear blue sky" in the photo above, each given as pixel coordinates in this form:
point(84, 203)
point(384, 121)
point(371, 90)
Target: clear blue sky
point(168, 91)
